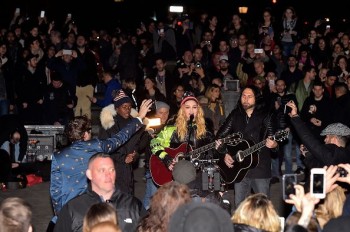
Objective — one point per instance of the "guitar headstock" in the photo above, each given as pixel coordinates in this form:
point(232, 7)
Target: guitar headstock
point(281, 135)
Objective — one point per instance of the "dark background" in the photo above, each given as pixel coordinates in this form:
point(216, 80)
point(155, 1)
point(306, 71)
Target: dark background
point(107, 14)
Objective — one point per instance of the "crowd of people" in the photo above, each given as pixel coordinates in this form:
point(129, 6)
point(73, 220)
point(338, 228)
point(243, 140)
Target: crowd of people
point(293, 81)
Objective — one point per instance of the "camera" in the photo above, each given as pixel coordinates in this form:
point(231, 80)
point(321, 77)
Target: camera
point(342, 172)
point(198, 65)
point(207, 42)
point(289, 180)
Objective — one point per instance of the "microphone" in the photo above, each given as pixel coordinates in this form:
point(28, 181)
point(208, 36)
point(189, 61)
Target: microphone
point(191, 120)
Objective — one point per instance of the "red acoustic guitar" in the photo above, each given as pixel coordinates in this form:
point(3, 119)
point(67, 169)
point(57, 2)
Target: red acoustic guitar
point(162, 175)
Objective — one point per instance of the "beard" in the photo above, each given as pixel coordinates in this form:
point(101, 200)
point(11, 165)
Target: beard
point(247, 106)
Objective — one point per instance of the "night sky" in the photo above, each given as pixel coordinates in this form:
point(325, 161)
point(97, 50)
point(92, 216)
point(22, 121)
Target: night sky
point(107, 14)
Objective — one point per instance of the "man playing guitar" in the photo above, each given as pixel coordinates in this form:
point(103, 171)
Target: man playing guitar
point(252, 119)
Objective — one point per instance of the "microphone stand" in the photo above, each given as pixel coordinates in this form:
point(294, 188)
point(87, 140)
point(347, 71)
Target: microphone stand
point(190, 130)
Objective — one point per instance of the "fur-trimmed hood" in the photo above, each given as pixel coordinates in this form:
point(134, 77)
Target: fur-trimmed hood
point(108, 113)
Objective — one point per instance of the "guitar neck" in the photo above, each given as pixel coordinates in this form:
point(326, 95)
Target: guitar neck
point(207, 147)
point(277, 137)
point(200, 150)
point(254, 148)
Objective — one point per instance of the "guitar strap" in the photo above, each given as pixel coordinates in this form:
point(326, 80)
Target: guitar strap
point(267, 124)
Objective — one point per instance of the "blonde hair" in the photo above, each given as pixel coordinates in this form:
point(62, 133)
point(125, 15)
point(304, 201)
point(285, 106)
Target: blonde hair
point(15, 215)
point(209, 92)
point(100, 212)
point(332, 206)
point(257, 211)
point(181, 123)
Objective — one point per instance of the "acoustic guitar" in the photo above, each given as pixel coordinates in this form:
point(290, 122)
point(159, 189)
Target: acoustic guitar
point(162, 175)
point(246, 156)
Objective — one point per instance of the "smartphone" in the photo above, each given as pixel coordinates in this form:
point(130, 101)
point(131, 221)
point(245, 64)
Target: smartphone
point(318, 182)
point(288, 182)
point(271, 82)
point(67, 52)
point(154, 122)
point(18, 10)
point(42, 14)
point(69, 15)
point(161, 30)
point(287, 109)
point(328, 26)
point(258, 50)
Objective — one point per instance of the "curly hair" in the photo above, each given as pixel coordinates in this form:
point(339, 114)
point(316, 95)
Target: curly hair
point(257, 211)
point(181, 123)
point(164, 202)
point(77, 127)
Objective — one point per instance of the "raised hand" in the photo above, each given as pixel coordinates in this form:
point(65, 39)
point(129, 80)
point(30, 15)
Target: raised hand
point(296, 199)
point(144, 108)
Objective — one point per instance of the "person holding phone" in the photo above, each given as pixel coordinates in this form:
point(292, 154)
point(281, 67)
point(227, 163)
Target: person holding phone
point(278, 103)
point(335, 149)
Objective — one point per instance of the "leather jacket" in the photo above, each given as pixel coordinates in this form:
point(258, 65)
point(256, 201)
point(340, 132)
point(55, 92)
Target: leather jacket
point(238, 121)
point(258, 127)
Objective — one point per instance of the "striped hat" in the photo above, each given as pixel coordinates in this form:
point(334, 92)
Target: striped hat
point(120, 98)
point(188, 95)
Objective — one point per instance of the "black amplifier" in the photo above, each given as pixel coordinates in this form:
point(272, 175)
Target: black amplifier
point(40, 147)
point(43, 140)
